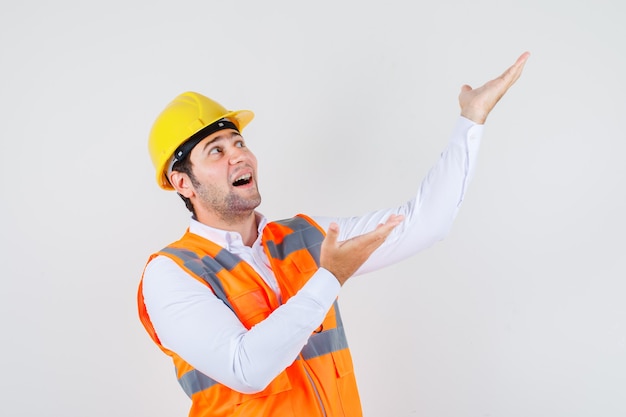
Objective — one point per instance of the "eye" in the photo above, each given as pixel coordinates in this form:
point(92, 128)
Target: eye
point(240, 144)
point(215, 150)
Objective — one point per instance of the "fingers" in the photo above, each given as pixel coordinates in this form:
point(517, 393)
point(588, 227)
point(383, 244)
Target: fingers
point(370, 240)
point(521, 61)
point(344, 258)
point(514, 71)
point(476, 104)
point(376, 237)
point(384, 229)
point(332, 234)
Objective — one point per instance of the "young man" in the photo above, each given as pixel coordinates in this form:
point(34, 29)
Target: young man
point(247, 308)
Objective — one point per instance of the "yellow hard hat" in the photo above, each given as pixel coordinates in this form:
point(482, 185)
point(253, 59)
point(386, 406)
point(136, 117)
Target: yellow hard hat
point(185, 116)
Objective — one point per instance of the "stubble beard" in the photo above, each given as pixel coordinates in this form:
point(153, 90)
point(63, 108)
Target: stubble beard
point(230, 207)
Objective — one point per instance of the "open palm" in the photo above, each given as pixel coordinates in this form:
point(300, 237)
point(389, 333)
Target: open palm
point(477, 103)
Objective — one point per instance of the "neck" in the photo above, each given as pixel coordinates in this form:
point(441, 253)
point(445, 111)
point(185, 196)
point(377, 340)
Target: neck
point(246, 225)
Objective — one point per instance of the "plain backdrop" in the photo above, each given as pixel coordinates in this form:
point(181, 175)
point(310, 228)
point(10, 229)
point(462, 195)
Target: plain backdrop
point(519, 312)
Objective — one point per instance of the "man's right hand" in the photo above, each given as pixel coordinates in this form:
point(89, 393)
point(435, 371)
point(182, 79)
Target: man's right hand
point(342, 259)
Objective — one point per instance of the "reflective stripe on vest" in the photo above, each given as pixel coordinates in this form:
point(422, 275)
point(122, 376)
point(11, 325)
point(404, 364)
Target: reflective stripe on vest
point(195, 381)
point(323, 343)
point(207, 267)
point(319, 344)
point(305, 236)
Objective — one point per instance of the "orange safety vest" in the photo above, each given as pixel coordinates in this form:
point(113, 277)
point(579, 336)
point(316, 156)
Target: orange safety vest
point(321, 381)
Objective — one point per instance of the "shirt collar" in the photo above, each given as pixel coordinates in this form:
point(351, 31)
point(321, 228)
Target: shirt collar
point(225, 238)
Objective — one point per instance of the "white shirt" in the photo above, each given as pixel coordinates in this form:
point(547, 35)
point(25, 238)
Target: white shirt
point(191, 321)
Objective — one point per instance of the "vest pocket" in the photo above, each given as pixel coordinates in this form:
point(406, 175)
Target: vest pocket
point(343, 362)
point(251, 307)
point(280, 384)
point(299, 258)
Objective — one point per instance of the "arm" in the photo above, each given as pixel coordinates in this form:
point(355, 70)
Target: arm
point(428, 217)
point(430, 214)
point(191, 321)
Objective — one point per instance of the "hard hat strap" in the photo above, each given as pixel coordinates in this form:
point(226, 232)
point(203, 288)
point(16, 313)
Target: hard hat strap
point(185, 148)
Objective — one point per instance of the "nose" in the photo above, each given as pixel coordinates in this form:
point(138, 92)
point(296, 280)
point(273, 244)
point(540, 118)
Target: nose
point(237, 155)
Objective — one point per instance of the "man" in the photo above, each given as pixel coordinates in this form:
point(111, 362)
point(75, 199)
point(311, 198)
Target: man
point(247, 308)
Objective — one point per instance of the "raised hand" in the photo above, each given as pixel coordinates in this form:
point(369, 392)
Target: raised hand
point(477, 103)
point(344, 258)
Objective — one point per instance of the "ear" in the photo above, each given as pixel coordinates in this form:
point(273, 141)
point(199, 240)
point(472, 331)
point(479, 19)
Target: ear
point(182, 184)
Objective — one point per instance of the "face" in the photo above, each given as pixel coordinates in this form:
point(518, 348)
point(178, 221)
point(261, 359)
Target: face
point(225, 173)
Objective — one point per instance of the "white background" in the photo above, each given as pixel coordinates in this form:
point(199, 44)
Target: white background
point(519, 312)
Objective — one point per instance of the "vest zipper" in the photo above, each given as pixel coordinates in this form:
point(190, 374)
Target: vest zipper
point(317, 394)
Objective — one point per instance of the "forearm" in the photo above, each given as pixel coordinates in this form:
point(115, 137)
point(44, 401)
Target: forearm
point(430, 214)
point(191, 321)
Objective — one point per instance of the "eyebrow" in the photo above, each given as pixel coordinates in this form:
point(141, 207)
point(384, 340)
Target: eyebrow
point(221, 137)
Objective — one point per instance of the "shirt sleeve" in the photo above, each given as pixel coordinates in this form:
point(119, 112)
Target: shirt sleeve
point(191, 321)
point(430, 214)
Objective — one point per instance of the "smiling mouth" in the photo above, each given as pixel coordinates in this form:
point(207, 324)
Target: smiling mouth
point(243, 180)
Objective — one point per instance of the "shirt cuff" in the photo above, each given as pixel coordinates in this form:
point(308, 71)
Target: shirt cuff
point(466, 130)
point(323, 287)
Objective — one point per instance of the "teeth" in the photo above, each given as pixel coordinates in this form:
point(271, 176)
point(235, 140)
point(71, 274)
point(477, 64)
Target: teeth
point(244, 177)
